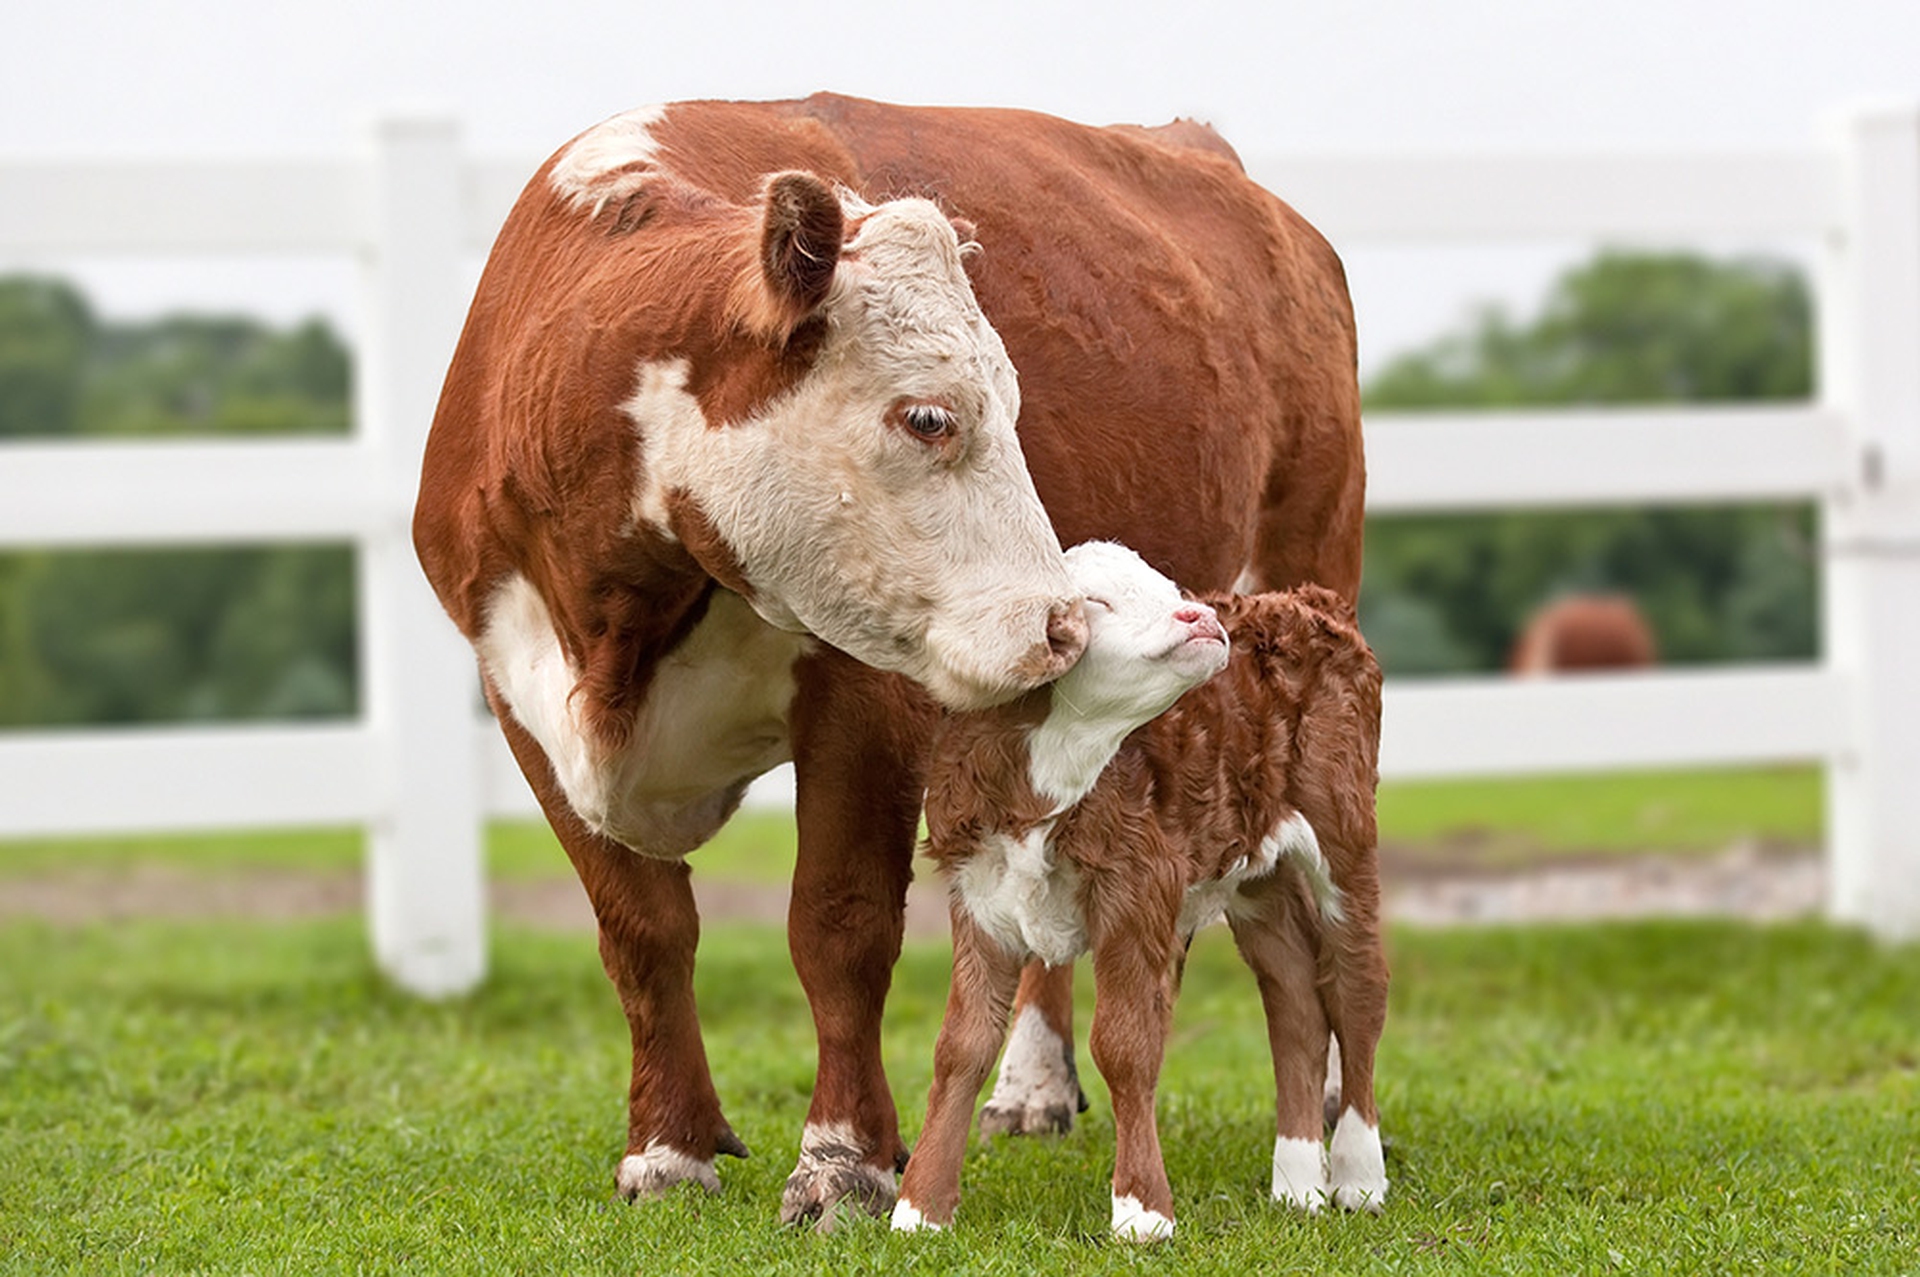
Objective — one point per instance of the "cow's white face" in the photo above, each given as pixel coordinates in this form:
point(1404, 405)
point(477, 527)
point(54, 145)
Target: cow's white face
point(881, 502)
point(1146, 644)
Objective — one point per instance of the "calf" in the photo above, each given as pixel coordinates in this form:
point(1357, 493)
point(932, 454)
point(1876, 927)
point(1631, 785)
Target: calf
point(1061, 829)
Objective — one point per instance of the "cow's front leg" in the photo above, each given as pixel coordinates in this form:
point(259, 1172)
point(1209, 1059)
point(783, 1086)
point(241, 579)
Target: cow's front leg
point(858, 738)
point(649, 929)
point(1038, 1090)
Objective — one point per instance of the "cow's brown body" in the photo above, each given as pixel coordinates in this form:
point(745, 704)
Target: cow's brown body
point(1584, 632)
point(1185, 354)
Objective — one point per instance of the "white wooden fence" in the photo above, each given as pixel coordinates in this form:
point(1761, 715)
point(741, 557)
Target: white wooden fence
point(421, 774)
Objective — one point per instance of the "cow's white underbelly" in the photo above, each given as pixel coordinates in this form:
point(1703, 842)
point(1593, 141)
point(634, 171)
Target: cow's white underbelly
point(715, 717)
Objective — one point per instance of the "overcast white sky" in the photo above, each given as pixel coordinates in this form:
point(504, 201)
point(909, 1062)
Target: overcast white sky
point(146, 78)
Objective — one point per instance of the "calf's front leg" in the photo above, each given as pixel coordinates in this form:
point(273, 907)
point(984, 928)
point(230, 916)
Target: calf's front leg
point(984, 976)
point(1132, 1012)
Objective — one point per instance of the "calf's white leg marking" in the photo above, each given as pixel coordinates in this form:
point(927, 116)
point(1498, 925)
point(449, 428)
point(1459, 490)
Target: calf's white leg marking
point(1357, 1167)
point(1135, 1223)
point(1300, 1173)
point(908, 1219)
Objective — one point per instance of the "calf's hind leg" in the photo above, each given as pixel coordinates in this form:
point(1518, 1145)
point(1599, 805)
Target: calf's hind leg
point(1273, 933)
point(1353, 988)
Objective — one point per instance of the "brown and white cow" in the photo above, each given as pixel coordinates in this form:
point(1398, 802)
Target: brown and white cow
point(1583, 632)
point(1062, 829)
point(725, 472)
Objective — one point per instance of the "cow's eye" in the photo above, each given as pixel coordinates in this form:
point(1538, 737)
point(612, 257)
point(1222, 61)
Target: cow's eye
point(929, 421)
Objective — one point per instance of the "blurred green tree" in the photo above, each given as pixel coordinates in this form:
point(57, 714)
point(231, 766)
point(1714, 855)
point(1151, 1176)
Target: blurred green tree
point(112, 636)
point(1626, 328)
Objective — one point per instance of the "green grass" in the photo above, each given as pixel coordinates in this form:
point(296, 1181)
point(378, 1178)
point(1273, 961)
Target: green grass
point(1649, 1097)
point(1506, 820)
point(1493, 821)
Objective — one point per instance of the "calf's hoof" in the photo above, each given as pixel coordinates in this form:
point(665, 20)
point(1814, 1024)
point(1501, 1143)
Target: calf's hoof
point(1133, 1222)
point(1357, 1165)
point(832, 1171)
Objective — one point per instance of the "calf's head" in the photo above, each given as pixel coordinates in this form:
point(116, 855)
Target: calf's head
point(843, 453)
point(1146, 644)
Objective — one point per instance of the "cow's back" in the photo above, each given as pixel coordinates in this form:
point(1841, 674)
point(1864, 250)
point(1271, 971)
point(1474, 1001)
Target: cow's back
point(1184, 339)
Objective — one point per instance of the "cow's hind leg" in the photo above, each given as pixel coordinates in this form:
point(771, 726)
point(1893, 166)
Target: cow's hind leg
point(649, 930)
point(1038, 1089)
point(858, 736)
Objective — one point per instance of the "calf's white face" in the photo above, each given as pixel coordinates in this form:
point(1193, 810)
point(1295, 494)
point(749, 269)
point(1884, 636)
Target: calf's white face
point(1145, 643)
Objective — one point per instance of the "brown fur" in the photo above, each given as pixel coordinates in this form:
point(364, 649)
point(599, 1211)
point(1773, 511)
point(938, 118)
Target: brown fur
point(1584, 632)
point(1186, 355)
point(1291, 725)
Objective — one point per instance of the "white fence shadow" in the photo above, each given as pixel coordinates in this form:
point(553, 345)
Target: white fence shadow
point(421, 773)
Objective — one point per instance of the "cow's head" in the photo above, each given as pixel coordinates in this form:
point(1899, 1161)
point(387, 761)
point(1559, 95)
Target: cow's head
point(844, 454)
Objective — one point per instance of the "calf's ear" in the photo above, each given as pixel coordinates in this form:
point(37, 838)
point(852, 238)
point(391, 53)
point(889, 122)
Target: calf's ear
point(800, 234)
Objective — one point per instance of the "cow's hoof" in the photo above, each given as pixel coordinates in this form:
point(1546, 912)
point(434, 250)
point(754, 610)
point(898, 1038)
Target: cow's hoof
point(1038, 1090)
point(650, 1174)
point(1030, 1119)
point(832, 1171)
point(659, 1168)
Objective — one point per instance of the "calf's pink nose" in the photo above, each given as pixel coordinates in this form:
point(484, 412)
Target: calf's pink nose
point(1201, 620)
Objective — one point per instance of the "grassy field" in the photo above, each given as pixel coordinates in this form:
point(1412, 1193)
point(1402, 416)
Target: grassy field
point(1496, 822)
point(1652, 1097)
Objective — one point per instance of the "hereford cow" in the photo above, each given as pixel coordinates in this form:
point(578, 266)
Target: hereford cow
point(1059, 832)
point(1584, 632)
point(725, 473)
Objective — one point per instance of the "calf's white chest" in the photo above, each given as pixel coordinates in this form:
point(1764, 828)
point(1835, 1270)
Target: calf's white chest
point(1024, 896)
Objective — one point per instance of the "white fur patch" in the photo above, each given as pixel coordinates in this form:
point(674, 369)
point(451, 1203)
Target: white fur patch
point(1293, 839)
point(1035, 1078)
point(1300, 1173)
point(658, 1168)
point(1135, 1223)
point(908, 1219)
point(1356, 1164)
point(1019, 895)
point(715, 717)
point(609, 161)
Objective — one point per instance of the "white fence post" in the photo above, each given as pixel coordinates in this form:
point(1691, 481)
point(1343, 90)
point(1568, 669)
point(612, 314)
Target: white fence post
point(1870, 366)
point(425, 875)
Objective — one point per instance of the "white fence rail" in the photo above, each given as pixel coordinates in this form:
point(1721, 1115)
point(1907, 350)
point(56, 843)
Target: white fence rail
point(420, 773)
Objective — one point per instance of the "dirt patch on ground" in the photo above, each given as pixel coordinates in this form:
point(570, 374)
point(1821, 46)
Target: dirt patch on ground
point(1748, 881)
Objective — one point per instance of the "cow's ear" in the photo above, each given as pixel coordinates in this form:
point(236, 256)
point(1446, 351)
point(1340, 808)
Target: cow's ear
point(800, 234)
